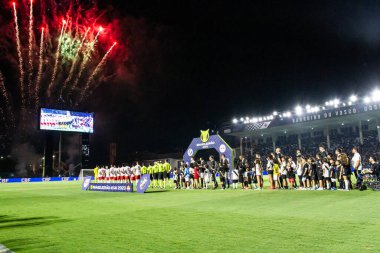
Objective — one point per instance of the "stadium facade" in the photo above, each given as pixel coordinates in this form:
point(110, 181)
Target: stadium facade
point(355, 119)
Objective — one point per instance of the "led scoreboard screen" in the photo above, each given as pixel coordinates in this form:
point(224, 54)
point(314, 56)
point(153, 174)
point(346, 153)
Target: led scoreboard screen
point(68, 121)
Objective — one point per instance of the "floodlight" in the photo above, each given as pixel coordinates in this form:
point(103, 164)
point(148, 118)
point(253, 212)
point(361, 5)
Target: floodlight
point(353, 98)
point(298, 110)
point(376, 95)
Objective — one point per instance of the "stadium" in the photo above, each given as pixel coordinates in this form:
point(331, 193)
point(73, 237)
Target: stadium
point(121, 131)
point(65, 218)
point(337, 123)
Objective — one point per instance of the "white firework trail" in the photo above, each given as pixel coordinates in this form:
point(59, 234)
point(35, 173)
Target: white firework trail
point(56, 58)
point(39, 74)
point(3, 90)
point(86, 57)
point(30, 48)
point(5, 95)
point(20, 59)
point(71, 73)
point(96, 71)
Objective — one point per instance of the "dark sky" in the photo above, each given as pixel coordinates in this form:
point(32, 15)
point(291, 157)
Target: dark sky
point(203, 62)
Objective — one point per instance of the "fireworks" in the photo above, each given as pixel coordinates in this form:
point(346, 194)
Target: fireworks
point(20, 59)
point(75, 59)
point(30, 48)
point(40, 66)
point(3, 90)
point(56, 58)
point(87, 55)
point(67, 55)
point(98, 68)
point(7, 104)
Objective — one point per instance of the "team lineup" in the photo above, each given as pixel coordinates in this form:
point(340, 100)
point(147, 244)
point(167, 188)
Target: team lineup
point(324, 171)
point(159, 171)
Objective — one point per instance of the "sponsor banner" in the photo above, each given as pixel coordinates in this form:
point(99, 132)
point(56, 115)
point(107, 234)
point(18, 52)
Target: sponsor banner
point(86, 183)
point(109, 187)
point(143, 183)
point(37, 179)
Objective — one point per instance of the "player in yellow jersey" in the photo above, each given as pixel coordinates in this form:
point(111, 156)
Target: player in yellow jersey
point(155, 174)
point(276, 174)
point(144, 169)
point(150, 172)
point(167, 170)
point(96, 170)
point(161, 170)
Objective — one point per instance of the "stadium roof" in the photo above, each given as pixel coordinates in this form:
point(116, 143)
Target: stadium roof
point(318, 120)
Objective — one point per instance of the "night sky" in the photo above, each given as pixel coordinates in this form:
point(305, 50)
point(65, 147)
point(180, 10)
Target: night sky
point(213, 61)
point(195, 64)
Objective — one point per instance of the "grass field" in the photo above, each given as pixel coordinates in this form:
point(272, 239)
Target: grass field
point(60, 217)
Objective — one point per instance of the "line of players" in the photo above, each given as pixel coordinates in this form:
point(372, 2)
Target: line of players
point(115, 174)
point(321, 172)
point(159, 172)
point(204, 175)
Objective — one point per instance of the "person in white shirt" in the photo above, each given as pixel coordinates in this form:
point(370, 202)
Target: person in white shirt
point(128, 174)
point(207, 177)
point(356, 161)
point(235, 178)
point(107, 174)
point(299, 171)
point(112, 174)
point(270, 165)
point(100, 174)
point(326, 173)
point(293, 167)
point(122, 173)
point(259, 171)
point(284, 173)
point(137, 171)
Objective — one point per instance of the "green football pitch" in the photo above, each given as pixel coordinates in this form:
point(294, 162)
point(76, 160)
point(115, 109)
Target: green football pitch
point(60, 217)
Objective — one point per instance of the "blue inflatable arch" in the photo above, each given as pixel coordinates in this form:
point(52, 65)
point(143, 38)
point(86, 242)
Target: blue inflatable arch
point(213, 142)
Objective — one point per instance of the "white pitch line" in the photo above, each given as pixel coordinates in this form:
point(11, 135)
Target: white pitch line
point(4, 249)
